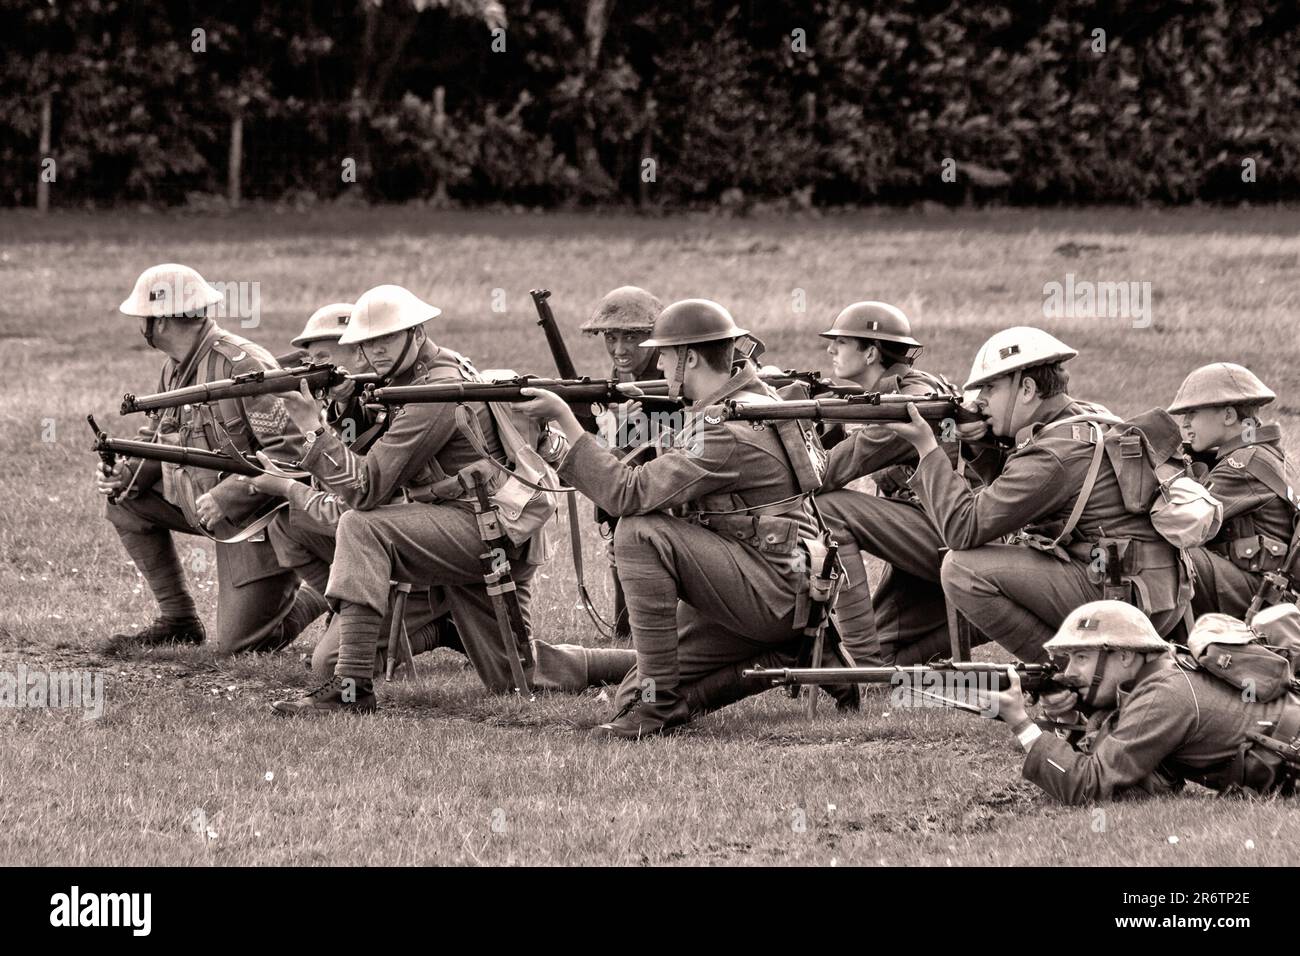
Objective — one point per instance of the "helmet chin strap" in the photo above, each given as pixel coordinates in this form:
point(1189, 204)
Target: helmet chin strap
point(401, 356)
point(1011, 405)
point(677, 379)
point(1098, 674)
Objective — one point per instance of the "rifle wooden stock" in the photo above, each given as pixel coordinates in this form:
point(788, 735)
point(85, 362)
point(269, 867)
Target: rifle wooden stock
point(868, 407)
point(1034, 678)
point(260, 382)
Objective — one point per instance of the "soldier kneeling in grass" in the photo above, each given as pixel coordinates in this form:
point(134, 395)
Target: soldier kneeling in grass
point(1226, 715)
point(1219, 405)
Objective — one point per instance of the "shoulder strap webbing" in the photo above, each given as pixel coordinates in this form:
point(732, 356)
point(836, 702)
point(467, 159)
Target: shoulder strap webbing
point(1277, 483)
point(1089, 480)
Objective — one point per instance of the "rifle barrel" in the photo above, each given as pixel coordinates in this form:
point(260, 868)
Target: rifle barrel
point(865, 408)
point(814, 380)
point(261, 382)
point(577, 391)
point(1031, 675)
point(177, 455)
point(554, 338)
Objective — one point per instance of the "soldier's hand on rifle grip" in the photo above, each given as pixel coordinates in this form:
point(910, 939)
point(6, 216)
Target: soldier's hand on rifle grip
point(208, 510)
point(1060, 704)
point(109, 484)
point(972, 431)
point(304, 411)
point(917, 431)
point(343, 390)
point(547, 406)
point(1007, 705)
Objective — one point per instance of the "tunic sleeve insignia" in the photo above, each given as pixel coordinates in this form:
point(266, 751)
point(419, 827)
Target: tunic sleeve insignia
point(270, 421)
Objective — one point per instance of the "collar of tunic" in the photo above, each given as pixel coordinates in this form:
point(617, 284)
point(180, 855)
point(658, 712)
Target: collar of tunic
point(1264, 435)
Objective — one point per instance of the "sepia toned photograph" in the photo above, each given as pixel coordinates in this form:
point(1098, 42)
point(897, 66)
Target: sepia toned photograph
point(601, 433)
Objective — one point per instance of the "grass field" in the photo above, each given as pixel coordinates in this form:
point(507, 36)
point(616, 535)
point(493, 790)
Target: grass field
point(186, 766)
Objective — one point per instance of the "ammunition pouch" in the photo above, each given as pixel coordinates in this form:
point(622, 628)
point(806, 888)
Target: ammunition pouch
point(1256, 553)
point(1134, 558)
point(770, 534)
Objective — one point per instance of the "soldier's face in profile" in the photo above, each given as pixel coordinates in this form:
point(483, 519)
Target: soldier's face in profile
point(996, 401)
point(848, 358)
point(1205, 428)
point(1079, 666)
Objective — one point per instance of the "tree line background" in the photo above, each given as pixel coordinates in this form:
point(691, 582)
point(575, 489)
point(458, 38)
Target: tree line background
point(818, 102)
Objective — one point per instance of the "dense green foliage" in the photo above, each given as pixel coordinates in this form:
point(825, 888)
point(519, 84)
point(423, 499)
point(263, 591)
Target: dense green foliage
point(822, 101)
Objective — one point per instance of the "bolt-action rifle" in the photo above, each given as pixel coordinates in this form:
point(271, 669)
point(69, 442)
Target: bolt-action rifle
point(1035, 679)
point(934, 407)
point(319, 378)
point(109, 448)
point(576, 391)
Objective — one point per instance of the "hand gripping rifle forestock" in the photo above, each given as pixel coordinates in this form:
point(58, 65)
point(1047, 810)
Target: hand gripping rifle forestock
point(497, 577)
point(319, 378)
point(867, 407)
point(1035, 679)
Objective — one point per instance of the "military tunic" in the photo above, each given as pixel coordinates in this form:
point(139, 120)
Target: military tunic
point(904, 601)
point(431, 539)
point(1018, 595)
point(1170, 724)
point(1251, 480)
point(904, 619)
point(255, 594)
point(707, 543)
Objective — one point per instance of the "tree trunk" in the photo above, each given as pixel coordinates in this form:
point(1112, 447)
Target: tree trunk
point(439, 124)
point(43, 187)
point(595, 25)
point(358, 107)
point(235, 162)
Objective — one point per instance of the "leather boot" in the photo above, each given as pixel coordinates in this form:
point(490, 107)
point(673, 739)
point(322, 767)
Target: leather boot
point(161, 632)
point(642, 718)
point(338, 695)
